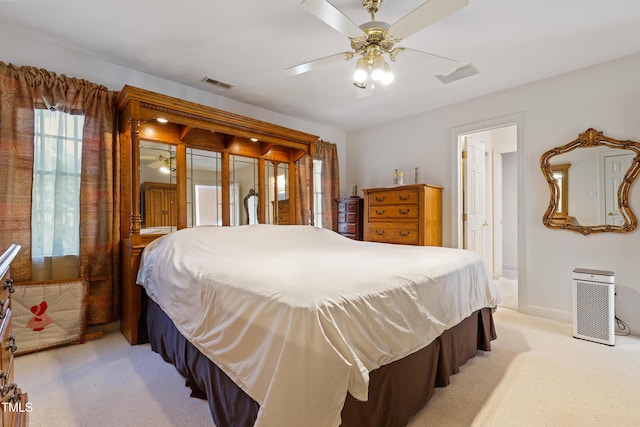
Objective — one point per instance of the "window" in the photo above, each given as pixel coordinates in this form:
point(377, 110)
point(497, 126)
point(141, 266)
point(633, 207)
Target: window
point(55, 211)
point(317, 193)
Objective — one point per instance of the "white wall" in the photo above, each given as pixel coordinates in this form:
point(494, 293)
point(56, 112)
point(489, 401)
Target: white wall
point(21, 48)
point(554, 111)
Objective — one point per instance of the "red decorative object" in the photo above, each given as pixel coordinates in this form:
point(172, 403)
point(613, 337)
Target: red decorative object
point(39, 320)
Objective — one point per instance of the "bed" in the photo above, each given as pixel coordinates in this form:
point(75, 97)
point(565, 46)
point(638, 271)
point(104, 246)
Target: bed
point(296, 325)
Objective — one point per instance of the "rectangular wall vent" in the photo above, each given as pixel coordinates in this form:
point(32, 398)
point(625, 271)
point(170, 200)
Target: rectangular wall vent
point(218, 83)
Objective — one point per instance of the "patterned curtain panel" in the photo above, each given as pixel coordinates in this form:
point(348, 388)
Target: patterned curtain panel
point(16, 173)
point(23, 89)
point(327, 153)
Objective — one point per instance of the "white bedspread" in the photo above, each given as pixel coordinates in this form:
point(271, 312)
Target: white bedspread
point(297, 316)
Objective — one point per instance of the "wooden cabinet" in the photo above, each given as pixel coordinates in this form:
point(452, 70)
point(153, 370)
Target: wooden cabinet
point(14, 405)
point(409, 214)
point(159, 201)
point(350, 219)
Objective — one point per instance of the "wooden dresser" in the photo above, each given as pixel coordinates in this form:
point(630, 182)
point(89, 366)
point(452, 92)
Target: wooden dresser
point(14, 404)
point(408, 214)
point(350, 217)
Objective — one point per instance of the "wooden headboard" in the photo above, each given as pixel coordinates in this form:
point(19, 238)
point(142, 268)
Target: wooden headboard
point(190, 125)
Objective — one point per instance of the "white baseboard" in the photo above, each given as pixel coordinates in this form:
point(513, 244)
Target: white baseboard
point(562, 316)
point(510, 272)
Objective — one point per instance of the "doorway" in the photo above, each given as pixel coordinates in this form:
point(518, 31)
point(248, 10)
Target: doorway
point(488, 190)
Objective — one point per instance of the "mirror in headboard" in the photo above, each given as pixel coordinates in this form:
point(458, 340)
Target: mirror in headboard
point(276, 193)
point(204, 187)
point(250, 203)
point(589, 180)
point(157, 187)
point(244, 178)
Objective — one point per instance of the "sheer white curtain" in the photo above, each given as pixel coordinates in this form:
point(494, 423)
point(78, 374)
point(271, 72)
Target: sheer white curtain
point(55, 212)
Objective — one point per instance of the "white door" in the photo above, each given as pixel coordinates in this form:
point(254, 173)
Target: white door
point(474, 197)
point(615, 168)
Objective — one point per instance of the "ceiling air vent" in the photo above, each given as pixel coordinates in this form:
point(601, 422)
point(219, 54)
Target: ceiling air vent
point(460, 73)
point(218, 83)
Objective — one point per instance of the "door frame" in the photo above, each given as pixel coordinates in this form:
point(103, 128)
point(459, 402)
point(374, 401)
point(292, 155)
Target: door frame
point(456, 193)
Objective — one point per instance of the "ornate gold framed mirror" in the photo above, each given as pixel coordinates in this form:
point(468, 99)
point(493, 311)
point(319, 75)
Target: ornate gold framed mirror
point(589, 179)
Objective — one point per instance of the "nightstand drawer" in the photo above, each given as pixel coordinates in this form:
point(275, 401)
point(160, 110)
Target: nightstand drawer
point(347, 228)
point(348, 217)
point(348, 205)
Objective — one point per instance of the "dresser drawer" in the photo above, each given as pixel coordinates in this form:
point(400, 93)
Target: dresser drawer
point(393, 197)
point(16, 408)
point(351, 217)
point(393, 232)
point(393, 212)
point(8, 344)
point(347, 228)
point(348, 217)
point(348, 205)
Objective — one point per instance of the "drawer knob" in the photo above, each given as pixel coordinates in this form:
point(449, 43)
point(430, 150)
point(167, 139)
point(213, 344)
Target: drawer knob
point(379, 198)
point(379, 232)
point(15, 397)
point(11, 344)
point(379, 212)
point(404, 233)
point(404, 212)
point(403, 198)
point(8, 284)
point(5, 389)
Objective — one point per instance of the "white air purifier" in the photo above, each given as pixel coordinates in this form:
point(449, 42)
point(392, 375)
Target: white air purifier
point(593, 305)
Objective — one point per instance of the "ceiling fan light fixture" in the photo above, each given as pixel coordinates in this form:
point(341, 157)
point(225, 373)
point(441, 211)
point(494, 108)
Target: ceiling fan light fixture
point(361, 73)
point(387, 77)
point(165, 170)
point(377, 69)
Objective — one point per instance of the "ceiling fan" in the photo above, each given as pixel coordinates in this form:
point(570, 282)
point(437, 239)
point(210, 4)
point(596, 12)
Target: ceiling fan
point(372, 40)
point(165, 164)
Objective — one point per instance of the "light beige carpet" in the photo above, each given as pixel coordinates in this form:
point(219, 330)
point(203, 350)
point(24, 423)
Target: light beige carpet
point(536, 375)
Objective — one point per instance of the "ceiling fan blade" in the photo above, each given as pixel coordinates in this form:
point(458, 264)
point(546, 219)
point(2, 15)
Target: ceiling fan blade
point(311, 65)
point(439, 58)
point(156, 164)
point(327, 13)
point(425, 15)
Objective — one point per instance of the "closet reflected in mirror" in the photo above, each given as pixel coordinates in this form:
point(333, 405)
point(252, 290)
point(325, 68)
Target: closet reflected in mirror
point(157, 187)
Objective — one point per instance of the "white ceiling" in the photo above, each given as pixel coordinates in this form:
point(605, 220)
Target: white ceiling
point(249, 44)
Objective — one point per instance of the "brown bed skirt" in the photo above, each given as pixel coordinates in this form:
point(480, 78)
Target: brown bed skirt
point(397, 391)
